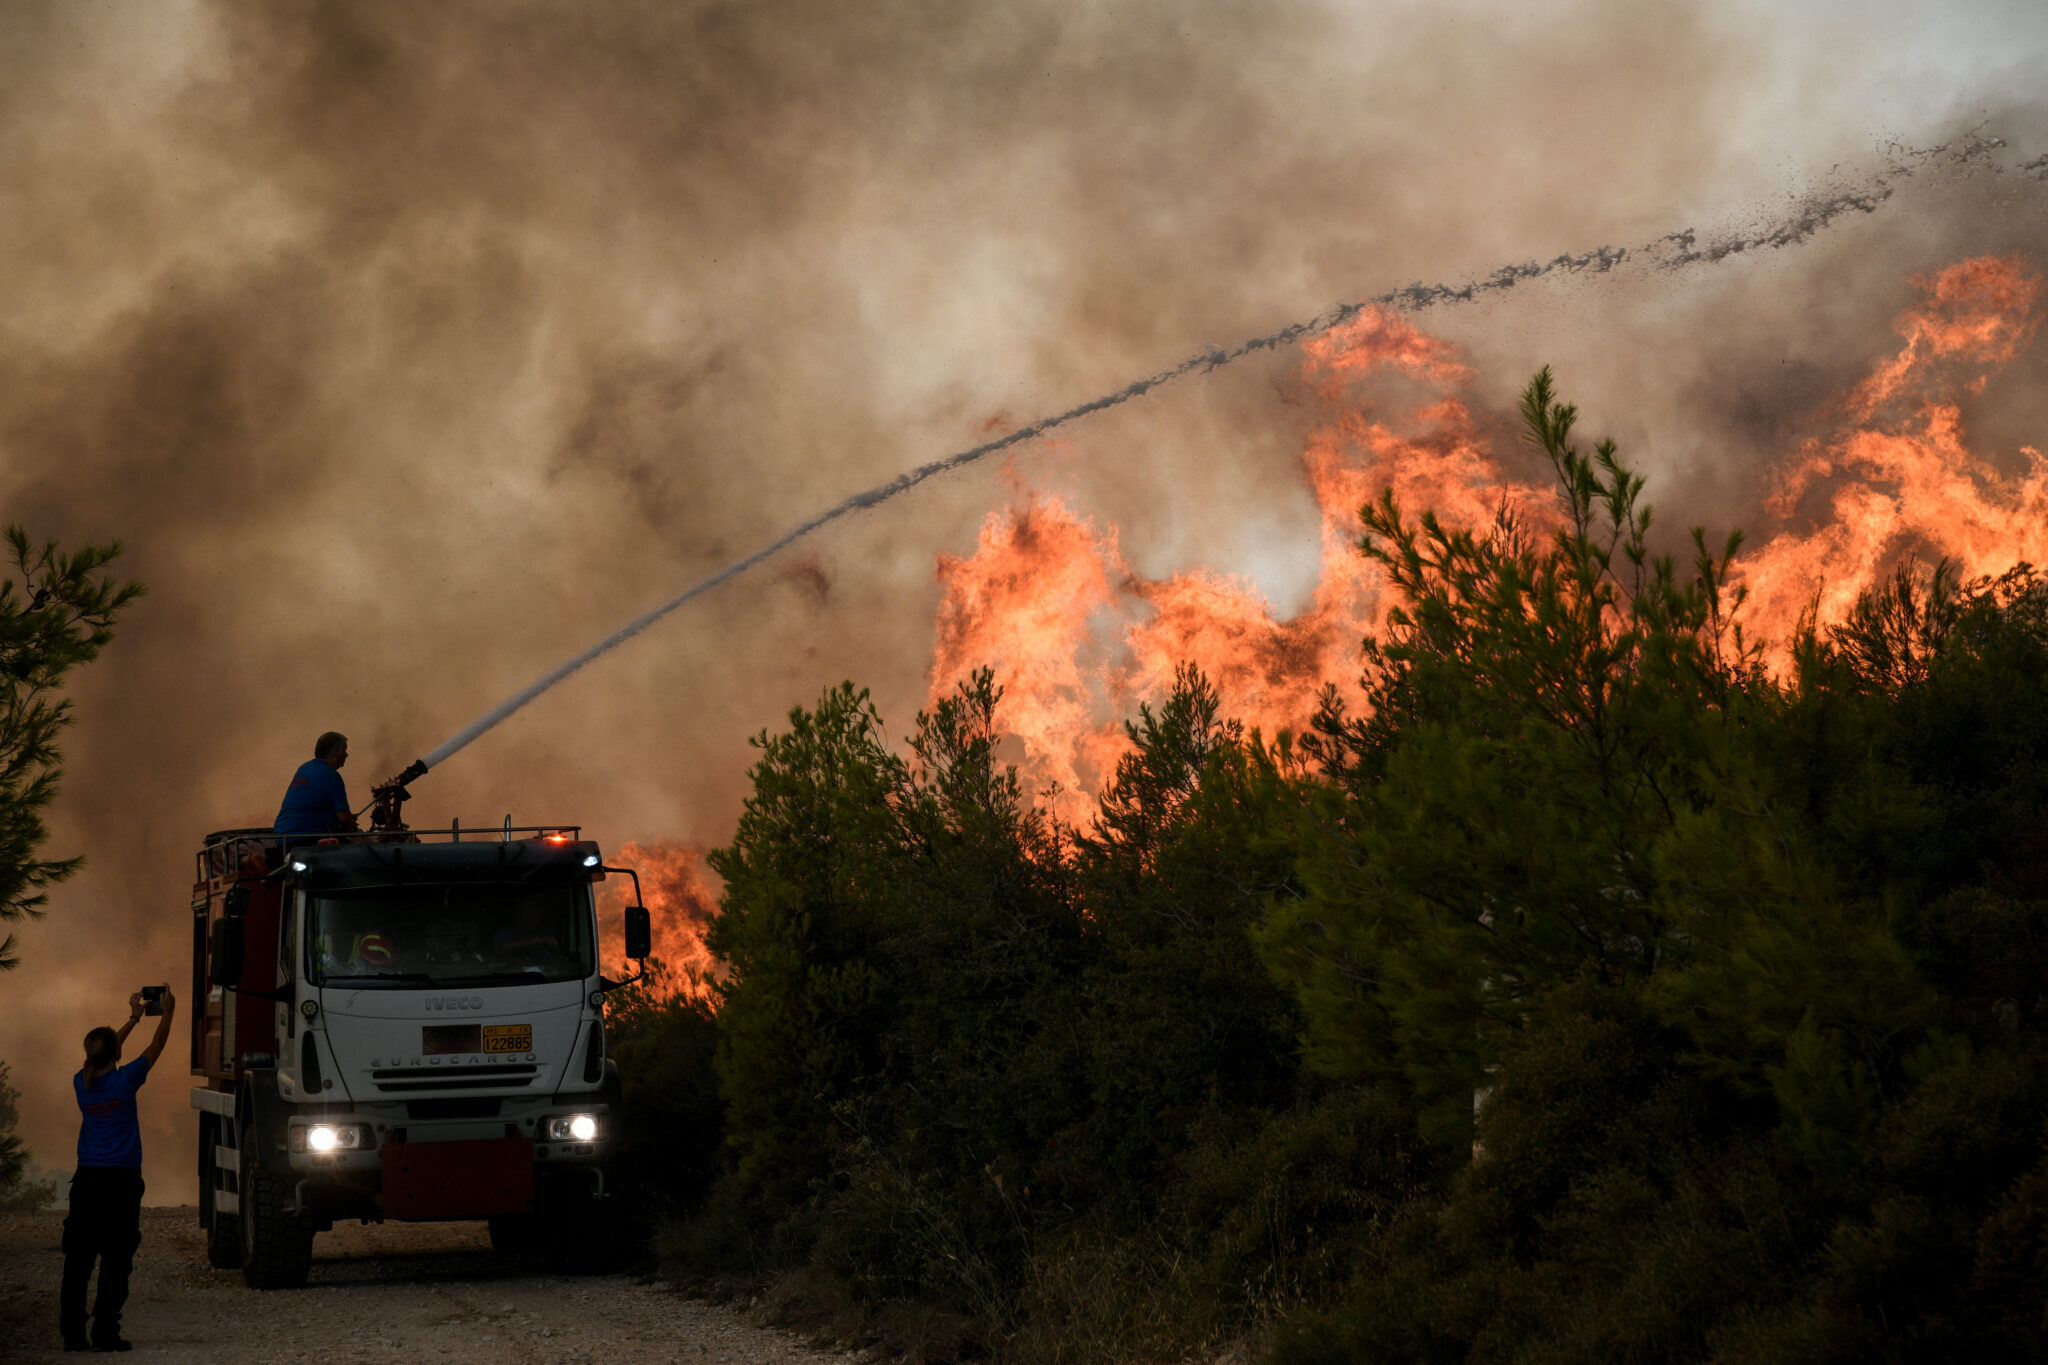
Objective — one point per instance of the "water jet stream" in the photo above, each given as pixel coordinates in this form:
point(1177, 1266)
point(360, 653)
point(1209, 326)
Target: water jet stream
point(1673, 251)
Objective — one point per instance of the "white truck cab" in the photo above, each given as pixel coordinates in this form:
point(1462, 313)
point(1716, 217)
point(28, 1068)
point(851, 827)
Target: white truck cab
point(406, 1029)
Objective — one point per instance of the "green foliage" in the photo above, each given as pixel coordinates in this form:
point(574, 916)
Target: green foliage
point(805, 873)
point(1744, 969)
point(981, 948)
point(19, 1192)
point(1594, 993)
point(56, 618)
point(1189, 846)
point(664, 1037)
point(1044, 1018)
point(977, 951)
point(1538, 711)
point(1270, 1210)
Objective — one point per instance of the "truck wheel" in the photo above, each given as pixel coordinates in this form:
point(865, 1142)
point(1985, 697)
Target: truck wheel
point(223, 1229)
point(277, 1244)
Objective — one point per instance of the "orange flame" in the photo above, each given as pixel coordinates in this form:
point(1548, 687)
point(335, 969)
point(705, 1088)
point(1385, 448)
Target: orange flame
point(680, 901)
point(1896, 478)
point(1021, 604)
point(1076, 638)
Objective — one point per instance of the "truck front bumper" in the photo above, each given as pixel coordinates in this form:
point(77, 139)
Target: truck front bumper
point(346, 1141)
point(472, 1179)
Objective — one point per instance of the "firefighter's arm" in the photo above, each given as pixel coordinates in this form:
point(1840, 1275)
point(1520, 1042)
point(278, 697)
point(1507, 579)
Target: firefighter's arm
point(163, 1029)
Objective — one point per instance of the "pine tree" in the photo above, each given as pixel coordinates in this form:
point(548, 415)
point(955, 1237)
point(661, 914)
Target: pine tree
point(17, 1191)
point(811, 864)
point(1537, 709)
point(56, 618)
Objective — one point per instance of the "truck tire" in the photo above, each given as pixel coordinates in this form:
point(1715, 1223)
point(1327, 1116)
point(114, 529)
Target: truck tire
point(223, 1229)
point(224, 1241)
point(277, 1244)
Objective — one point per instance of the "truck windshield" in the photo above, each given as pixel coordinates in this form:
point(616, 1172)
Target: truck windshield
point(428, 936)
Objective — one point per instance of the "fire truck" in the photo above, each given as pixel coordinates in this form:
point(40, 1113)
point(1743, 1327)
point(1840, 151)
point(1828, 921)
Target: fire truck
point(403, 1024)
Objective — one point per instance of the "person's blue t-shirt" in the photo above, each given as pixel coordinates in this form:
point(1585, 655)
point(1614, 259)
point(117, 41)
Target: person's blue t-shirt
point(108, 1134)
point(310, 802)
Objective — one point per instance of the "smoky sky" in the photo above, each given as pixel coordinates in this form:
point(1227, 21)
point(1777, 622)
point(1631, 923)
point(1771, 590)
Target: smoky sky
point(408, 349)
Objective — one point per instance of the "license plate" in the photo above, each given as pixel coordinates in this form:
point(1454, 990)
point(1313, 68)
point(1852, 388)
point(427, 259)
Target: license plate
point(508, 1037)
point(442, 1039)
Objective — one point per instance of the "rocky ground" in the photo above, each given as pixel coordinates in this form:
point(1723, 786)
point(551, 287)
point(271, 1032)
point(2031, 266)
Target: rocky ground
point(414, 1292)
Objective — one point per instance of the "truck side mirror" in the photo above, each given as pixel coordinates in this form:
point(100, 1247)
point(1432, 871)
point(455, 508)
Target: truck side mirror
point(224, 958)
point(639, 933)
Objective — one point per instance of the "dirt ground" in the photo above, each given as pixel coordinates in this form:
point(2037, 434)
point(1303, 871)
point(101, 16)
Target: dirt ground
point(430, 1292)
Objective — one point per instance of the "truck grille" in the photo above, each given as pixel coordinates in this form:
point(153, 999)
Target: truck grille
point(479, 1107)
point(399, 1079)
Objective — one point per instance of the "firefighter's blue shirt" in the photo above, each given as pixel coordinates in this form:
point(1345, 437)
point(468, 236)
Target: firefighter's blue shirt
point(108, 1134)
point(310, 801)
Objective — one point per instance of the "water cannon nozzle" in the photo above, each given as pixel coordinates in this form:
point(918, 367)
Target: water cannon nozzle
point(390, 795)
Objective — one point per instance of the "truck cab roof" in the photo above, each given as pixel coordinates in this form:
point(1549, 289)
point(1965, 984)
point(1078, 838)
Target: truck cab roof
point(349, 866)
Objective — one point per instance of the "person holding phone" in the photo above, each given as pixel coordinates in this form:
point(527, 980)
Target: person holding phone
point(105, 1220)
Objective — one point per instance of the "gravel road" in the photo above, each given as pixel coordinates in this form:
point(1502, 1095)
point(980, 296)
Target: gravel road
point(428, 1293)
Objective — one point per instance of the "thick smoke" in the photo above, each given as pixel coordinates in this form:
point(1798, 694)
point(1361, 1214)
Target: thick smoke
point(1681, 250)
point(411, 348)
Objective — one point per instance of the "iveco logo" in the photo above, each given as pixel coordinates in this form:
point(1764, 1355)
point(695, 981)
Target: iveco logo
point(455, 1002)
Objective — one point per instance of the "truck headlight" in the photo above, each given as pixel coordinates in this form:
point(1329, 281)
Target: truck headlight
point(573, 1128)
point(323, 1138)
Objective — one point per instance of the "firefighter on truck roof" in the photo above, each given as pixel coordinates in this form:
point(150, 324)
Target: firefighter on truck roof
point(316, 802)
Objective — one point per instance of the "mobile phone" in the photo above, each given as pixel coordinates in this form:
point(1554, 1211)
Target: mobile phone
point(153, 999)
